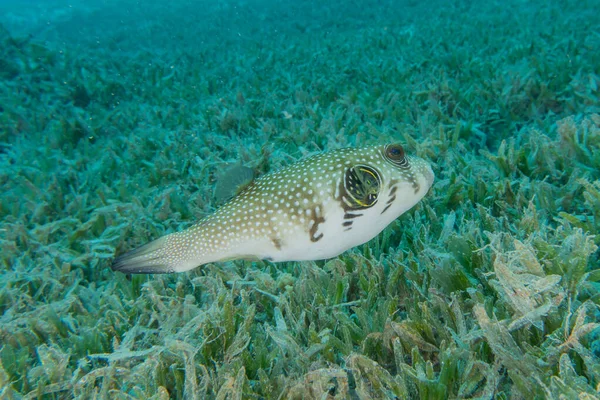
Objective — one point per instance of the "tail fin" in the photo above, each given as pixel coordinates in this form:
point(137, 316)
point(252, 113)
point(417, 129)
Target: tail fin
point(150, 258)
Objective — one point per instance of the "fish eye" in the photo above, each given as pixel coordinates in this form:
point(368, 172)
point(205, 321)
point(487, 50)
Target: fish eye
point(395, 152)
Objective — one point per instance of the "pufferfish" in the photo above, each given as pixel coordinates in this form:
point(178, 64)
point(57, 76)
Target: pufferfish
point(314, 209)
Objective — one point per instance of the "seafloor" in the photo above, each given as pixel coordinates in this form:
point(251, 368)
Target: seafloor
point(116, 117)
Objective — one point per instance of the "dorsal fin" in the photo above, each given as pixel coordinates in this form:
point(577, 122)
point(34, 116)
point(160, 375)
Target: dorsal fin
point(232, 180)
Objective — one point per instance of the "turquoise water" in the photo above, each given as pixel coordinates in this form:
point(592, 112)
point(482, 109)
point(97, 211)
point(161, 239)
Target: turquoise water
point(117, 119)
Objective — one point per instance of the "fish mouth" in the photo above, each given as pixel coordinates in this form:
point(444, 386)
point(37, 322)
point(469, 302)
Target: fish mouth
point(429, 176)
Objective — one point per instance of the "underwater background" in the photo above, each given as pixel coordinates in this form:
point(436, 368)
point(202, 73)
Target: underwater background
point(117, 116)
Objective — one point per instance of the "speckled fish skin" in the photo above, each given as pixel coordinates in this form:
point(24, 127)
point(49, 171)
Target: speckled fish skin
point(314, 209)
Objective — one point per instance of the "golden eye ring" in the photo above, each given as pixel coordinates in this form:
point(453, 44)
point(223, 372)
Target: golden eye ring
point(362, 185)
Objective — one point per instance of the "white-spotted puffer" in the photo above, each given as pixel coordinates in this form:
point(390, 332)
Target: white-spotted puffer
point(314, 209)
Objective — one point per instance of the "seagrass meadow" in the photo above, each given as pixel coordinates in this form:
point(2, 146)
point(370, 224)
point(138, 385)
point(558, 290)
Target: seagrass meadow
point(116, 118)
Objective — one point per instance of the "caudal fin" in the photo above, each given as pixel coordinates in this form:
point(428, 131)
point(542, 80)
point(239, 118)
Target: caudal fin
point(151, 258)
